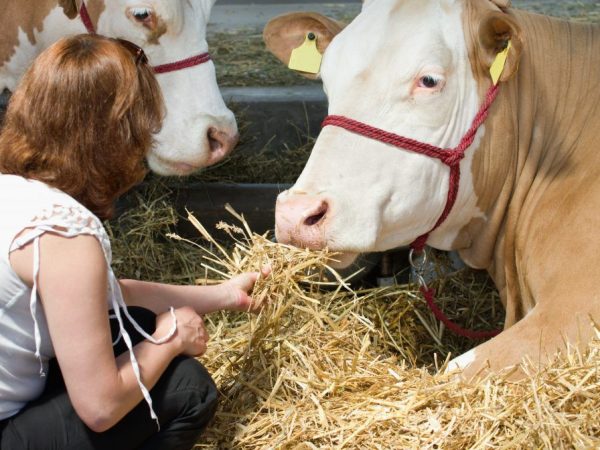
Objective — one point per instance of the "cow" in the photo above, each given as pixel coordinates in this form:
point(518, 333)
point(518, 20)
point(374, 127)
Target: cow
point(199, 130)
point(423, 144)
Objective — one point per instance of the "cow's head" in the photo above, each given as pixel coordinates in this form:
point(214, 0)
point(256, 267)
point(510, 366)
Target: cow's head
point(417, 68)
point(198, 130)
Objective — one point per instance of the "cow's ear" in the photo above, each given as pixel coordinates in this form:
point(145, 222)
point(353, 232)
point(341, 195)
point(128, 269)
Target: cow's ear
point(70, 7)
point(496, 30)
point(287, 32)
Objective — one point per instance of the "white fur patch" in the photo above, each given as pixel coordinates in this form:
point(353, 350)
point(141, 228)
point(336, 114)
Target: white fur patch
point(461, 362)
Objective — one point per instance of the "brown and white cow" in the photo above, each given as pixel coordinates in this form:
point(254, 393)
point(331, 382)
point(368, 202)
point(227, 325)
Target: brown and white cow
point(198, 130)
point(527, 208)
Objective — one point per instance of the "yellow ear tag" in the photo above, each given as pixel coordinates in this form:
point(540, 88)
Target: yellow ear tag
point(499, 63)
point(306, 58)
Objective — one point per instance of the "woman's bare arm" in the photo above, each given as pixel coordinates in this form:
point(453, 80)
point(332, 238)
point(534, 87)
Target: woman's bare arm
point(73, 290)
point(231, 295)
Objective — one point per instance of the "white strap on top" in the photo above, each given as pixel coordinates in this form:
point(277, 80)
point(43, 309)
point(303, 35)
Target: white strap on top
point(117, 304)
point(18, 243)
point(117, 301)
point(33, 303)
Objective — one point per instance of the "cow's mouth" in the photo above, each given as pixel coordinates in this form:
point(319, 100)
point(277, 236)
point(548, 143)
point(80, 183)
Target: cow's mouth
point(167, 167)
point(342, 260)
point(185, 169)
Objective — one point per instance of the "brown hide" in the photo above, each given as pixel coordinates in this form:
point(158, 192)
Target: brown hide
point(504, 4)
point(29, 16)
point(537, 178)
point(95, 9)
point(70, 7)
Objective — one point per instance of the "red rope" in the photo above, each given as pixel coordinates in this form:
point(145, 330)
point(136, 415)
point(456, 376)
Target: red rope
point(429, 295)
point(85, 18)
point(451, 158)
point(184, 63)
point(163, 68)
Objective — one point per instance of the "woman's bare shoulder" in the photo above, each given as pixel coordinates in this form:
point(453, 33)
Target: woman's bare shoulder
point(71, 258)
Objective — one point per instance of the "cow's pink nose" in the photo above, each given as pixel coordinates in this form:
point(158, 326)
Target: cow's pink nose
point(221, 143)
point(300, 220)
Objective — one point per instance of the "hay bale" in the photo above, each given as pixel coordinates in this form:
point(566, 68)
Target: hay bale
point(326, 366)
point(322, 368)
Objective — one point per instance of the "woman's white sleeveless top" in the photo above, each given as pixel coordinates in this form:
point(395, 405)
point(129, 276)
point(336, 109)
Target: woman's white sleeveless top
point(25, 345)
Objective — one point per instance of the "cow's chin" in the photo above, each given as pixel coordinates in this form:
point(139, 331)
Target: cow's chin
point(166, 167)
point(343, 260)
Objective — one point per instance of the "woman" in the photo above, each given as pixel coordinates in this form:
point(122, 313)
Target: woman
point(74, 139)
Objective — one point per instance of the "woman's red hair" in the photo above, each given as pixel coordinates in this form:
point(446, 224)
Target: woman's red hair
point(82, 121)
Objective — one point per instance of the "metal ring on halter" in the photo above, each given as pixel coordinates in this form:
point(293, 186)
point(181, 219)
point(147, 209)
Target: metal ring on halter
point(411, 259)
point(418, 268)
point(421, 280)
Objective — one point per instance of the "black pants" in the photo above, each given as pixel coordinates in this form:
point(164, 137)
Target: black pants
point(185, 399)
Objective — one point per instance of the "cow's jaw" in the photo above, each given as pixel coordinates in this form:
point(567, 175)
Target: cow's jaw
point(197, 114)
point(379, 197)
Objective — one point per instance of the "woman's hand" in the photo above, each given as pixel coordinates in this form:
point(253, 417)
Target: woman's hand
point(191, 337)
point(237, 291)
point(231, 295)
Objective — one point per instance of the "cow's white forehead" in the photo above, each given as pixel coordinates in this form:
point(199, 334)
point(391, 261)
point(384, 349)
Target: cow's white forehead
point(391, 40)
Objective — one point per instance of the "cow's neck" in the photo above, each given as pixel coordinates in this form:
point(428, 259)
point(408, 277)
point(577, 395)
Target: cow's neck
point(544, 121)
point(27, 27)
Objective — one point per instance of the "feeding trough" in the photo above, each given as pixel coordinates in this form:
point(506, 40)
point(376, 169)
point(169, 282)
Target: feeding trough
point(277, 127)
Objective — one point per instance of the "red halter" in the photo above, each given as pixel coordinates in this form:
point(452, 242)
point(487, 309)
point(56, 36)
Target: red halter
point(451, 158)
point(163, 68)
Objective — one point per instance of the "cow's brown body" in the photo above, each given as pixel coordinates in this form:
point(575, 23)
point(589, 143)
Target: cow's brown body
point(28, 16)
point(537, 175)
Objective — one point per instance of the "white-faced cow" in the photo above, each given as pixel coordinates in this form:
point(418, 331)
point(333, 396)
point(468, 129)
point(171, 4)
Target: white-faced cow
point(198, 130)
point(407, 155)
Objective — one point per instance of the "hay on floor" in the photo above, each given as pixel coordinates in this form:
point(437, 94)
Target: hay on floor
point(325, 367)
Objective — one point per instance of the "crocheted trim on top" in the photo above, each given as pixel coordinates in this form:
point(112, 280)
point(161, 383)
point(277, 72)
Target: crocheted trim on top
point(74, 220)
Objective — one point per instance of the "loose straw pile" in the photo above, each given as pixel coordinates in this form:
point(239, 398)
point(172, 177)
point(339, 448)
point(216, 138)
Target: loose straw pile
point(324, 367)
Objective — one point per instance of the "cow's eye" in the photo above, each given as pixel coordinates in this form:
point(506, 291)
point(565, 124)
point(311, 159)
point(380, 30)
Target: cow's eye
point(144, 16)
point(429, 82)
point(141, 14)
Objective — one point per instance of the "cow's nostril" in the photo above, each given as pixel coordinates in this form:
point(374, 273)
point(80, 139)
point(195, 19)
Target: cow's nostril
point(215, 140)
point(318, 216)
